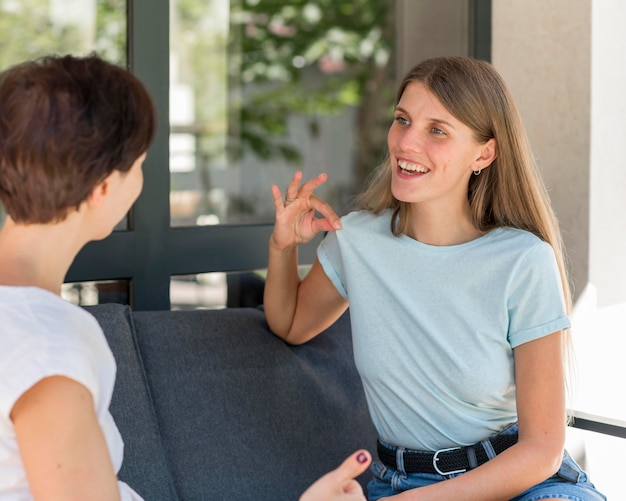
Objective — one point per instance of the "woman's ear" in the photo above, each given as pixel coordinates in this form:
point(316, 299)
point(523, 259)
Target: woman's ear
point(488, 153)
point(98, 194)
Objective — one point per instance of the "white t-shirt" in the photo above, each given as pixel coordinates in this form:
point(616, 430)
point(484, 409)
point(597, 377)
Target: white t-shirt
point(434, 327)
point(41, 335)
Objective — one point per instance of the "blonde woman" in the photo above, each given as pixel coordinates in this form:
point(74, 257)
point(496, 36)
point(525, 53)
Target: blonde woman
point(452, 267)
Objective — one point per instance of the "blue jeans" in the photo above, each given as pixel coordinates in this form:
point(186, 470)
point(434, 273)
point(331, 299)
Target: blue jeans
point(570, 482)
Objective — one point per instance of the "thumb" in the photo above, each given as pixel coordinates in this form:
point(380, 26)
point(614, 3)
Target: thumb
point(354, 465)
point(340, 483)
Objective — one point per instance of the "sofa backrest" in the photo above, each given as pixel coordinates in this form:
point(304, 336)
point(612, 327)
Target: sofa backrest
point(240, 414)
point(145, 467)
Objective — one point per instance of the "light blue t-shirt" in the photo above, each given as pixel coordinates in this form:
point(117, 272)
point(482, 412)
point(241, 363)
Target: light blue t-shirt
point(434, 327)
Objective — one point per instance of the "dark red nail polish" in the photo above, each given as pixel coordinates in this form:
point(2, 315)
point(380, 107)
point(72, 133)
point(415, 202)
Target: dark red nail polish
point(361, 458)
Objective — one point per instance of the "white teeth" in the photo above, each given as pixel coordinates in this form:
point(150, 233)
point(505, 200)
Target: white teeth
point(412, 167)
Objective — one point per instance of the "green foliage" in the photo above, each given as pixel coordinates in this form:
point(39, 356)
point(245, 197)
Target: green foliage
point(308, 57)
point(305, 57)
point(28, 32)
point(111, 29)
point(302, 57)
point(278, 40)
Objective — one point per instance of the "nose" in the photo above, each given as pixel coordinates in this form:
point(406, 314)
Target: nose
point(408, 140)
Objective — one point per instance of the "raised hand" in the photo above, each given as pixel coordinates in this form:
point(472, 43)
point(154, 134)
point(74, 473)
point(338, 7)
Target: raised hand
point(296, 222)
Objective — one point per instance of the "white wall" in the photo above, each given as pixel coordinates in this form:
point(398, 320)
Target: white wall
point(542, 48)
point(607, 256)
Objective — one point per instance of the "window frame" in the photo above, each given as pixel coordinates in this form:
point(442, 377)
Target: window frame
point(150, 252)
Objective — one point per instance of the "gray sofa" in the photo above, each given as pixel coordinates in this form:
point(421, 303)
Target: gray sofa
point(212, 406)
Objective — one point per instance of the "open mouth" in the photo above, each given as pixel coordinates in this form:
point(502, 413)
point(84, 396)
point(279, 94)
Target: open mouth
point(410, 169)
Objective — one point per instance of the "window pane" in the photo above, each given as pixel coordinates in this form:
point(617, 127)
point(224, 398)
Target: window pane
point(201, 291)
point(34, 28)
point(262, 88)
point(217, 290)
point(90, 293)
point(242, 289)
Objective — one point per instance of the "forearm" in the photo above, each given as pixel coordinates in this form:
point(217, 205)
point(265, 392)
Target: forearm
point(297, 310)
point(518, 468)
point(281, 289)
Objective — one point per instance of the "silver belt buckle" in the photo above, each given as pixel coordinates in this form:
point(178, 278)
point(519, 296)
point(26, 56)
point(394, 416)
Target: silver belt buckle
point(436, 459)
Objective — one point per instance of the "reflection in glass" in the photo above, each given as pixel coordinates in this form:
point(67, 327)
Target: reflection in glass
point(200, 291)
point(91, 293)
point(261, 88)
point(218, 290)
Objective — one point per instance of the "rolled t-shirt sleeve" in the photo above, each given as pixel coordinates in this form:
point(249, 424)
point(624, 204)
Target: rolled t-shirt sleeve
point(536, 304)
point(329, 256)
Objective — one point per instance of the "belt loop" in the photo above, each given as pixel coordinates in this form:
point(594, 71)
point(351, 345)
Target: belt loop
point(400, 460)
point(488, 446)
point(471, 457)
point(568, 471)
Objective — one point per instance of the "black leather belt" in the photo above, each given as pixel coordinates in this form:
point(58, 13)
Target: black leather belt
point(446, 461)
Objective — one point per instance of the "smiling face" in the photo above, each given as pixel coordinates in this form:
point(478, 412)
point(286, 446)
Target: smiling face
point(432, 153)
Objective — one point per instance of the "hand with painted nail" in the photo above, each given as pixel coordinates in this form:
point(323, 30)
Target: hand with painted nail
point(296, 222)
point(340, 484)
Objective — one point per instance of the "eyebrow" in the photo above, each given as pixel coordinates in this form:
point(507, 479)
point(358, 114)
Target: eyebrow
point(433, 120)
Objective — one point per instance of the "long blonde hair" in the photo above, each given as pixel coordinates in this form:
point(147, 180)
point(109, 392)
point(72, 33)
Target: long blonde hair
point(510, 192)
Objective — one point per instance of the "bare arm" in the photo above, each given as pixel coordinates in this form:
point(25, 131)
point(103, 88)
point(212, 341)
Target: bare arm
point(61, 443)
point(539, 376)
point(297, 310)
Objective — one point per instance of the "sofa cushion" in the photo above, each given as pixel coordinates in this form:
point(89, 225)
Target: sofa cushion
point(242, 414)
point(144, 467)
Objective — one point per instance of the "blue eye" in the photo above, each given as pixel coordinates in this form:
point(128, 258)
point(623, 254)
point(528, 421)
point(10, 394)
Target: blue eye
point(437, 131)
point(402, 121)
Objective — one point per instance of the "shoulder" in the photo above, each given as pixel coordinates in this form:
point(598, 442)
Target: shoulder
point(41, 314)
point(528, 262)
point(363, 217)
point(44, 335)
point(357, 229)
point(363, 222)
point(519, 243)
point(515, 237)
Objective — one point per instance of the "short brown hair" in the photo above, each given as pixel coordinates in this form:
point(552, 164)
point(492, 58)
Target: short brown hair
point(66, 123)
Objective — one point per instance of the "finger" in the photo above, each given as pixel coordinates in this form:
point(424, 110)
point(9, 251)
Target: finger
point(322, 226)
point(340, 482)
point(327, 212)
point(278, 198)
point(353, 487)
point(292, 189)
point(353, 466)
point(307, 188)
